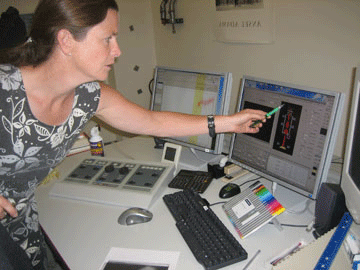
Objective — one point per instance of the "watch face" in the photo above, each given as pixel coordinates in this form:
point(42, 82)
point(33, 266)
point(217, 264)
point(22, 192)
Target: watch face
point(170, 153)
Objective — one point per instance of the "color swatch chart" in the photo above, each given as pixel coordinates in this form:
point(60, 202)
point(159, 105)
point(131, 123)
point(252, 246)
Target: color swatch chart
point(252, 208)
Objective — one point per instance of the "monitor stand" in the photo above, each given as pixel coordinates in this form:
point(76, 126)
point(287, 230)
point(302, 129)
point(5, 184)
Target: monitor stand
point(191, 159)
point(196, 160)
point(159, 143)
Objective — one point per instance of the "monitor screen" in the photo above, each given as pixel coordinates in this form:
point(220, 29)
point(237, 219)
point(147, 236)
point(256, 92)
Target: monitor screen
point(193, 92)
point(350, 180)
point(294, 147)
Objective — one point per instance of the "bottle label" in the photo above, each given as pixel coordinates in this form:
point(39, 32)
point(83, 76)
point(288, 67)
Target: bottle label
point(97, 148)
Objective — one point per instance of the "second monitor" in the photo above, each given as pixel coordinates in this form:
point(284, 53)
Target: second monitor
point(198, 93)
point(193, 92)
point(295, 146)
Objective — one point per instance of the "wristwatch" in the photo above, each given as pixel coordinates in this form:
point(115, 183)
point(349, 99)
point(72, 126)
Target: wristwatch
point(211, 126)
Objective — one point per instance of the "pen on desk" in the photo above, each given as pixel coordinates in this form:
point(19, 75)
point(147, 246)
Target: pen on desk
point(251, 260)
point(267, 115)
point(287, 253)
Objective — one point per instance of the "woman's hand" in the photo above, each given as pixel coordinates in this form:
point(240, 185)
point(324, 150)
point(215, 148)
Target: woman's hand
point(242, 122)
point(6, 208)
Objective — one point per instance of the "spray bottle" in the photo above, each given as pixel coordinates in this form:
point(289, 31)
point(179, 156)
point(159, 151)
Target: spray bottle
point(96, 142)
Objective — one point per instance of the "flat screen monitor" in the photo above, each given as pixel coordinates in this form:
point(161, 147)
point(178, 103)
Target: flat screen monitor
point(193, 92)
point(294, 147)
point(350, 180)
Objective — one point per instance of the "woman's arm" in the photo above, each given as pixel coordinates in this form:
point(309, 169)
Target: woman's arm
point(124, 115)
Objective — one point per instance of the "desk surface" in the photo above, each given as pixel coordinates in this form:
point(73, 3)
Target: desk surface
point(84, 233)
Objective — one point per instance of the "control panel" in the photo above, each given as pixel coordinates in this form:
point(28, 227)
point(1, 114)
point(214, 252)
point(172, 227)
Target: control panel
point(126, 183)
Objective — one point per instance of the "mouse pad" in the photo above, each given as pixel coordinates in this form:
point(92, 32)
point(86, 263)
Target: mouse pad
point(252, 209)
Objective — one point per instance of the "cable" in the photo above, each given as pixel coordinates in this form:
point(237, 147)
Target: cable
point(251, 180)
point(218, 203)
point(306, 208)
point(291, 225)
point(338, 162)
point(196, 154)
point(149, 86)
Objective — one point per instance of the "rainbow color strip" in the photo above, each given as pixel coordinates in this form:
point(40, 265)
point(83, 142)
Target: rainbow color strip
point(252, 209)
point(274, 207)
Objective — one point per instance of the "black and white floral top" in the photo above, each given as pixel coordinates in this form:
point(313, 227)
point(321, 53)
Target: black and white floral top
point(30, 149)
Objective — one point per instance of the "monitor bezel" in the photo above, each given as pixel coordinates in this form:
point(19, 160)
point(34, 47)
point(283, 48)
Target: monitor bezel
point(350, 189)
point(218, 142)
point(329, 143)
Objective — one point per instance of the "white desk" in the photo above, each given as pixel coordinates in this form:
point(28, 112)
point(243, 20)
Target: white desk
point(83, 233)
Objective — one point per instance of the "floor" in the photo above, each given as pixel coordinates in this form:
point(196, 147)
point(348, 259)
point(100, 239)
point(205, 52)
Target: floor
point(52, 254)
point(53, 265)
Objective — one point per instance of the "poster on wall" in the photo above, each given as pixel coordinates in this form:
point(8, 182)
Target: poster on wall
point(243, 21)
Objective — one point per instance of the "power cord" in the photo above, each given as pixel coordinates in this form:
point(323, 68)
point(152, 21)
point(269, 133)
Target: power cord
point(251, 180)
point(196, 154)
point(149, 86)
point(306, 208)
point(218, 203)
point(291, 225)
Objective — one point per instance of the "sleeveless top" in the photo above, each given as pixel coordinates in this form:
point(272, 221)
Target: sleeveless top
point(30, 149)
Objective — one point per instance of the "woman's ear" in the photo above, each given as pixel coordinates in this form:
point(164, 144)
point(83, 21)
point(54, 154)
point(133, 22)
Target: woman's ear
point(65, 40)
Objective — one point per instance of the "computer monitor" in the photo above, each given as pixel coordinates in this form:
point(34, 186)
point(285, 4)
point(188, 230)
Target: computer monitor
point(294, 147)
point(193, 92)
point(350, 180)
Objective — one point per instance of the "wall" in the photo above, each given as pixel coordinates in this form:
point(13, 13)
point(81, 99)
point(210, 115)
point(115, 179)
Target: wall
point(137, 46)
point(317, 44)
point(138, 50)
point(22, 6)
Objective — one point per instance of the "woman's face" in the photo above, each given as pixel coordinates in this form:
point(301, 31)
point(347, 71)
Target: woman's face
point(95, 55)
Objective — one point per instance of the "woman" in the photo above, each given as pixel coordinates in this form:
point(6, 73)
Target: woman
point(48, 91)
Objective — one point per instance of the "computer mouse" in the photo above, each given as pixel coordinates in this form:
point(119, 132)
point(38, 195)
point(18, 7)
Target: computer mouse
point(229, 190)
point(135, 215)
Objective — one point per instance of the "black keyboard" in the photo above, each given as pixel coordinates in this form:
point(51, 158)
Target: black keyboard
point(209, 240)
point(194, 180)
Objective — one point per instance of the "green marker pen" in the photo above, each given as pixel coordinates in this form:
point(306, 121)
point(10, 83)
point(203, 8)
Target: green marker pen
point(267, 115)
